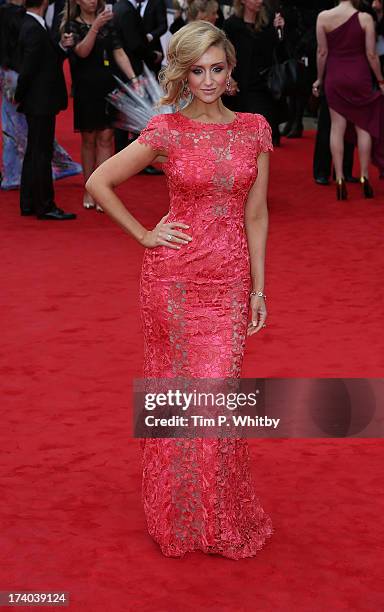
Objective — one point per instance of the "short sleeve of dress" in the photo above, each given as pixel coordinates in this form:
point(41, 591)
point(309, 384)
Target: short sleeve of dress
point(156, 134)
point(264, 135)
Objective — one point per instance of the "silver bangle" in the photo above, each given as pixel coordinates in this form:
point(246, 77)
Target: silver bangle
point(259, 294)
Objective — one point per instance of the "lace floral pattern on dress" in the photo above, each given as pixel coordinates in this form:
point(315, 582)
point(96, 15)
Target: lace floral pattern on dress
point(177, 323)
point(199, 493)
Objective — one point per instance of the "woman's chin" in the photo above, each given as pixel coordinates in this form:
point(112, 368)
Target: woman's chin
point(208, 98)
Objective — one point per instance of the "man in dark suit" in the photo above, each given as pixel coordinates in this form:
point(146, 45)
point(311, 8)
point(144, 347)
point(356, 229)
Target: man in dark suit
point(59, 7)
point(131, 32)
point(154, 15)
point(130, 29)
point(41, 94)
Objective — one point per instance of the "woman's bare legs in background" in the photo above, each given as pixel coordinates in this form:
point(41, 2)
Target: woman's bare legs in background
point(338, 127)
point(88, 160)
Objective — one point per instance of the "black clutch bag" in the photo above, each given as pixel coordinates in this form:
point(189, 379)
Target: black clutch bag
point(284, 78)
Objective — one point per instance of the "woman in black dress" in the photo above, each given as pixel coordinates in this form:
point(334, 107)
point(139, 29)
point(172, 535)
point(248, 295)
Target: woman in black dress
point(96, 54)
point(256, 36)
point(378, 13)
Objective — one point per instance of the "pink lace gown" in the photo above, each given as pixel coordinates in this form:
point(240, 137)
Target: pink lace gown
point(198, 494)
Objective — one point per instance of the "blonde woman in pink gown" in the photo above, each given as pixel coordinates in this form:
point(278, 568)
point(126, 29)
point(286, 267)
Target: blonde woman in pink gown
point(202, 275)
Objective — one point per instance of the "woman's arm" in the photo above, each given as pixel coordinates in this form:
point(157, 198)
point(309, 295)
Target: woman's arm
point(322, 49)
point(84, 48)
point(256, 227)
point(368, 26)
point(124, 63)
point(113, 172)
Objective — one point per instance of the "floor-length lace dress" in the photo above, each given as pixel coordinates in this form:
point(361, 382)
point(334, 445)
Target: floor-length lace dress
point(198, 494)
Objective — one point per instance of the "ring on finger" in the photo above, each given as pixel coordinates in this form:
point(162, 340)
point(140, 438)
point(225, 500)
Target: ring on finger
point(169, 237)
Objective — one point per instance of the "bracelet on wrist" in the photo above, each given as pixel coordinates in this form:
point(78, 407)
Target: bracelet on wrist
point(258, 294)
point(134, 79)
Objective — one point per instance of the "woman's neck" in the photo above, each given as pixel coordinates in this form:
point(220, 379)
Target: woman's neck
point(213, 111)
point(249, 16)
point(88, 17)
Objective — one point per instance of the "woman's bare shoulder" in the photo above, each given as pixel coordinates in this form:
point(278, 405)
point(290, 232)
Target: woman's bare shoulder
point(325, 16)
point(366, 19)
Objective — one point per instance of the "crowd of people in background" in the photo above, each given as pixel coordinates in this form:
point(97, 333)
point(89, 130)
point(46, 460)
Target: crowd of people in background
point(102, 40)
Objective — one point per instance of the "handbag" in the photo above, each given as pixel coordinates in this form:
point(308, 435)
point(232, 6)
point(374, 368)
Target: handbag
point(284, 78)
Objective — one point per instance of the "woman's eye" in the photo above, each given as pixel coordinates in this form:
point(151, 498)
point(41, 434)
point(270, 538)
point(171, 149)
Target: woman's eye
point(215, 69)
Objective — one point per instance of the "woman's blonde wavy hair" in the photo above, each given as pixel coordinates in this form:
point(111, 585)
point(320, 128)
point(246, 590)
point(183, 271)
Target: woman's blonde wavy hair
point(261, 18)
point(185, 48)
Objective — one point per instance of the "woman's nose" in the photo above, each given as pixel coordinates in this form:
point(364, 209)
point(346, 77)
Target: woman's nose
point(208, 78)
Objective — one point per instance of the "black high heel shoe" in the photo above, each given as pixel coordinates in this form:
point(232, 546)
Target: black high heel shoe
point(341, 189)
point(367, 187)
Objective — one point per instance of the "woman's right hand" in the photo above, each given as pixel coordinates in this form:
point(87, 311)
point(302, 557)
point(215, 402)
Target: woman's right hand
point(166, 234)
point(102, 19)
point(316, 88)
point(279, 21)
point(67, 40)
point(138, 87)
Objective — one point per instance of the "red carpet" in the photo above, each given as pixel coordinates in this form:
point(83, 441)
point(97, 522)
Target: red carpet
point(71, 515)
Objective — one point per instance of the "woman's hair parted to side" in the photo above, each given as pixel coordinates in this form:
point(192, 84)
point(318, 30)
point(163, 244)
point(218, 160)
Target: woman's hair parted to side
point(261, 19)
point(74, 11)
point(185, 48)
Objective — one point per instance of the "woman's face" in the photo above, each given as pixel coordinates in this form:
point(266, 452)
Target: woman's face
point(87, 6)
point(377, 5)
point(207, 78)
point(210, 17)
point(253, 5)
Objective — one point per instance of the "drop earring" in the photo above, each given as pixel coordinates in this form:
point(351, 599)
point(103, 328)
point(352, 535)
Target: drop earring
point(228, 85)
point(186, 90)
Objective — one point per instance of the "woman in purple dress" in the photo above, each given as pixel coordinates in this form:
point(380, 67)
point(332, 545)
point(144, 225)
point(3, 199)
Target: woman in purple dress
point(347, 57)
